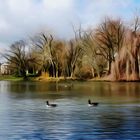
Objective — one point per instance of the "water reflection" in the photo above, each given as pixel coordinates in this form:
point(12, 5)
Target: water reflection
point(115, 92)
point(23, 114)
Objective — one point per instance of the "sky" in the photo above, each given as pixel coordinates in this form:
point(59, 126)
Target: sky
point(21, 19)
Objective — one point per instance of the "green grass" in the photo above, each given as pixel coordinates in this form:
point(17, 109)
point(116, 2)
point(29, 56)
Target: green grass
point(10, 78)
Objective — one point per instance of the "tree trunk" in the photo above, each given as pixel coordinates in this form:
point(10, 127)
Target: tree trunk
point(109, 67)
point(136, 66)
point(71, 75)
point(53, 69)
point(127, 70)
point(110, 61)
point(92, 70)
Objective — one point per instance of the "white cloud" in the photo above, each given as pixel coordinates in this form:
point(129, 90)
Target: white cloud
point(22, 18)
point(58, 4)
point(18, 7)
point(4, 26)
point(3, 47)
point(96, 10)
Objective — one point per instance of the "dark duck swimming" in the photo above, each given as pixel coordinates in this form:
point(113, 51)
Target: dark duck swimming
point(92, 103)
point(50, 105)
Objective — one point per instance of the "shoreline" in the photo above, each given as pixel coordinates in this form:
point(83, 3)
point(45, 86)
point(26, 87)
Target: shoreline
point(59, 79)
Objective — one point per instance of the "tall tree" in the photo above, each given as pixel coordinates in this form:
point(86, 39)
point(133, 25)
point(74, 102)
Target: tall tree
point(126, 66)
point(44, 46)
point(59, 54)
point(109, 38)
point(74, 53)
point(17, 58)
point(91, 50)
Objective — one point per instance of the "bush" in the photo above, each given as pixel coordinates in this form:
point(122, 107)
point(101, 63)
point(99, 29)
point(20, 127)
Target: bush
point(84, 73)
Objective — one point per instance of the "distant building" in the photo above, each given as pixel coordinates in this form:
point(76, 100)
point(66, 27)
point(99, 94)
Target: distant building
point(4, 69)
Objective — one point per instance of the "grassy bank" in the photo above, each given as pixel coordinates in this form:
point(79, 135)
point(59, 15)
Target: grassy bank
point(54, 79)
point(47, 79)
point(10, 78)
point(31, 78)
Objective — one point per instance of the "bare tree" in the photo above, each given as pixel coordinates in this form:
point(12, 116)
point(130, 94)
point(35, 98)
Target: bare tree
point(136, 40)
point(59, 54)
point(135, 25)
point(74, 53)
point(109, 38)
point(126, 66)
point(44, 46)
point(91, 51)
point(18, 59)
point(35, 66)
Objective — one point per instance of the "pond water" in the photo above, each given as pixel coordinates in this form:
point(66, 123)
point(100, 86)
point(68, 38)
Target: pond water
point(24, 115)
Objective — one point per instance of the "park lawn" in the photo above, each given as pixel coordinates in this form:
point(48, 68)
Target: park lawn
point(10, 78)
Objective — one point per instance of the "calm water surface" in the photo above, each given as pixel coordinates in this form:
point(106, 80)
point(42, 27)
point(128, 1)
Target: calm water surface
point(24, 116)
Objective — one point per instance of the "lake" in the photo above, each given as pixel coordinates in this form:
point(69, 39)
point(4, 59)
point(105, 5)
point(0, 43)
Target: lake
point(24, 115)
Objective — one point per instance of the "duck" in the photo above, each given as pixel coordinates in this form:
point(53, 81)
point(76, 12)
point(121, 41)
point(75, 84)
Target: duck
point(68, 85)
point(92, 103)
point(50, 105)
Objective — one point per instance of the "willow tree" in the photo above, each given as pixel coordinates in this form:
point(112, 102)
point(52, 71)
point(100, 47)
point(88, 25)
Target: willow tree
point(109, 37)
point(74, 52)
point(126, 66)
point(44, 46)
point(136, 43)
point(91, 52)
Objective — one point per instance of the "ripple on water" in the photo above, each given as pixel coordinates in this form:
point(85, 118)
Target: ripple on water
point(27, 118)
